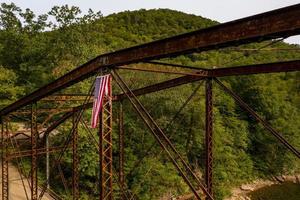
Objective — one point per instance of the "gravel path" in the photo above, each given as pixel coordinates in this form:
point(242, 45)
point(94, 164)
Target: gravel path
point(16, 189)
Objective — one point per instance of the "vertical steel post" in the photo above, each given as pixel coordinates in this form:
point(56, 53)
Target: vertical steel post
point(105, 149)
point(4, 159)
point(208, 136)
point(75, 175)
point(34, 137)
point(101, 189)
point(121, 147)
point(47, 162)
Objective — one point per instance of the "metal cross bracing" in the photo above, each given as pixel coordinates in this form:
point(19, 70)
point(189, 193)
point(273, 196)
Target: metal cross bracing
point(125, 193)
point(266, 26)
point(105, 149)
point(4, 159)
point(34, 138)
point(209, 136)
point(160, 88)
point(183, 168)
point(121, 147)
point(75, 163)
point(279, 23)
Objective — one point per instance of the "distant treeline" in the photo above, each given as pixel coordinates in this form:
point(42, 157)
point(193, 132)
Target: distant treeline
point(35, 50)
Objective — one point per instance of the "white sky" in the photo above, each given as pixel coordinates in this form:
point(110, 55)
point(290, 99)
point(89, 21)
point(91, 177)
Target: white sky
point(220, 10)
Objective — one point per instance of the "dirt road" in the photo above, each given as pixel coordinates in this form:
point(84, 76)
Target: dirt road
point(16, 188)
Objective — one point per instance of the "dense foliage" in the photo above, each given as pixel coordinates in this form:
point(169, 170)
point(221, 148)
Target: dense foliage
point(35, 51)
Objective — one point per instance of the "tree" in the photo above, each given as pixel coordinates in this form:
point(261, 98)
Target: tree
point(8, 17)
point(9, 91)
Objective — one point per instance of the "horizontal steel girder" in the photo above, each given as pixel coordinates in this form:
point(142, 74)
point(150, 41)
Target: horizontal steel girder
point(288, 66)
point(274, 24)
point(231, 71)
point(242, 70)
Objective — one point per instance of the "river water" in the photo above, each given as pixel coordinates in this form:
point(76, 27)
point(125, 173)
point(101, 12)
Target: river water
point(284, 191)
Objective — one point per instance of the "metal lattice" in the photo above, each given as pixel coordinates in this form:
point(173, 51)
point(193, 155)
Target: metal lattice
point(121, 149)
point(105, 149)
point(209, 137)
point(75, 180)
point(34, 137)
point(4, 160)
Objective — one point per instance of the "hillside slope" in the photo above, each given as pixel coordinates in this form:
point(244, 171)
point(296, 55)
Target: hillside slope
point(33, 54)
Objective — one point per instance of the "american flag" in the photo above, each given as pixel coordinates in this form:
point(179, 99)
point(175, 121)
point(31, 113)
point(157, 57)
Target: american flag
point(102, 88)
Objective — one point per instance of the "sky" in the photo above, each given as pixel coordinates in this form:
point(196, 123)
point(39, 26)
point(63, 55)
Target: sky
point(220, 10)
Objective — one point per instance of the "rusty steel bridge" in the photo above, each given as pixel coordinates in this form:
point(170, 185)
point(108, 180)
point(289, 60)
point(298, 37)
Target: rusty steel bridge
point(276, 24)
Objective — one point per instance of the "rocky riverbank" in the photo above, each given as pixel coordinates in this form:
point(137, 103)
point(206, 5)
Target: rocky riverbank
point(242, 192)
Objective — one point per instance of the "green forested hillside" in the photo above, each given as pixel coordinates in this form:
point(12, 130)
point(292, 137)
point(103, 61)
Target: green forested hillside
point(35, 50)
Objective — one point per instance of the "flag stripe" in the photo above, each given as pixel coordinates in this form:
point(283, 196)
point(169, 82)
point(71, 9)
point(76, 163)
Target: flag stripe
point(98, 87)
point(102, 88)
point(97, 101)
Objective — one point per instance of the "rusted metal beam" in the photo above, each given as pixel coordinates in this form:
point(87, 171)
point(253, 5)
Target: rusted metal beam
point(121, 149)
point(193, 73)
point(259, 119)
point(57, 123)
point(70, 94)
point(28, 153)
point(64, 98)
point(75, 163)
point(57, 161)
point(274, 24)
point(175, 65)
point(161, 86)
point(4, 159)
point(34, 138)
point(141, 91)
point(288, 66)
point(145, 90)
point(42, 110)
point(209, 136)
point(263, 49)
point(105, 149)
point(179, 163)
point(47, 161)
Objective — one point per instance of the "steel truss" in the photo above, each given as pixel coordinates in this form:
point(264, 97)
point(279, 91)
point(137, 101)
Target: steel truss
point(259, 119)
point(271, 25)
point(34, 140)
point(121, 149)
point(105, 149)
point(266, 26)
point(209, 136)
point(4, 159)
point(182, 167)
point(107, 139)
point(75, 164)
